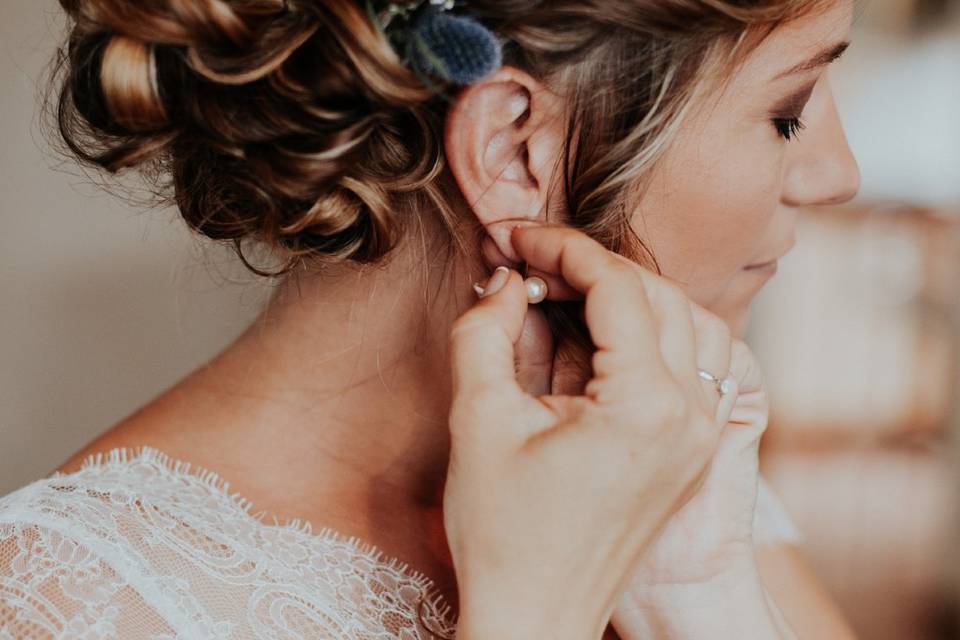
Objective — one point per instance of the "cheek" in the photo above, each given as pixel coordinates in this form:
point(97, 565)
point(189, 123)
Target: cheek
point(706, 217)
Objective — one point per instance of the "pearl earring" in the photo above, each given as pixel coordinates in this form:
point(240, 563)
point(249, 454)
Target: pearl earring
point(536, 289)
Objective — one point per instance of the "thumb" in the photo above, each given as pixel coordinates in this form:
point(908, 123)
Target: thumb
point(534, 353)
point(482, 339)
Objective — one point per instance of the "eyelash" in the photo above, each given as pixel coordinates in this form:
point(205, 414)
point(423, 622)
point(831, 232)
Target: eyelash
point(788, 128)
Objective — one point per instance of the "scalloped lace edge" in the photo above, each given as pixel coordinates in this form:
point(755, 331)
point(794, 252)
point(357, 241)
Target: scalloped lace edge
point(120, 456)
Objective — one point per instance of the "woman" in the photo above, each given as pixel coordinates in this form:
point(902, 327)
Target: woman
point(388, 178)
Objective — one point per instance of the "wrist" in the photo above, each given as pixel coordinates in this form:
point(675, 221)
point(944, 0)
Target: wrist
point(719, 581)
point(499, 625)
point(730, 606)
point(504, 618)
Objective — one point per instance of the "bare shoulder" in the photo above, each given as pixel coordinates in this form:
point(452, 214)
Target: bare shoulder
point(116, 437)
point(158, 424)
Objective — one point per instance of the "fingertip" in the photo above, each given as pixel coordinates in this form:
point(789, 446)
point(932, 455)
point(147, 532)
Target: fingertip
point(518, 232)
point(511, 289)
point(484, 339)
point(515, 234)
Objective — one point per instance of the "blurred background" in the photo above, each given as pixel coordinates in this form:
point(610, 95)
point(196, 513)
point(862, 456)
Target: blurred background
point(859, 335)
point(105, 305)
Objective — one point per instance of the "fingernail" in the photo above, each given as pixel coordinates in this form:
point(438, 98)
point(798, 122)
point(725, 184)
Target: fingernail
point(496, 282)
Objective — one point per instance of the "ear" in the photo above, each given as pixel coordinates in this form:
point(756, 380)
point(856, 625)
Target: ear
point(503, 140)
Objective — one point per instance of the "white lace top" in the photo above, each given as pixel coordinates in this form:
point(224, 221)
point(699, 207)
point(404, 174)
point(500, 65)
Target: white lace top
point(135, 545)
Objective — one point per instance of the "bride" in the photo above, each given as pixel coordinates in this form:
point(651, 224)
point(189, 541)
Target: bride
point(499, 388)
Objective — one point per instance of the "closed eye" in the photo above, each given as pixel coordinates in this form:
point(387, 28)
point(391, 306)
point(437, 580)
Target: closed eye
point(788, 128)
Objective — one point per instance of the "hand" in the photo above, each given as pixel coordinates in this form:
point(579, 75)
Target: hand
point(705, 553)
point(550, 501)
point(712, 534)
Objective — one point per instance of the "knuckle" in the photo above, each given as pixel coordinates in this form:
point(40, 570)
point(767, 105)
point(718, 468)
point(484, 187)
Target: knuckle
point(744, 364)
point(626, 279)
point(713, 325)
point(575, 235)
point(724, 333)
point(577, 241)
point(666, 294)
point(741, 354)
point(719, 330)
point(670, 289)
point(619, 269)
point(665, 288)
point(739, 349)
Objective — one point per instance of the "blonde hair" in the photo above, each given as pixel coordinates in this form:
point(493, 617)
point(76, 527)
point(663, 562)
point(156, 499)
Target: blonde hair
point(294, 125)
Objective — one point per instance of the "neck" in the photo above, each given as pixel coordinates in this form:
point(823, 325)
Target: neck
point(335, 401)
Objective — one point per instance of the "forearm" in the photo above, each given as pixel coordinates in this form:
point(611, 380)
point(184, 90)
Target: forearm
point(493, 614)
point(522, 627)
point(799, 595)
point(783, 627)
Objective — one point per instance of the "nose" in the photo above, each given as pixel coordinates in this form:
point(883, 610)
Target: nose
point(822, 168)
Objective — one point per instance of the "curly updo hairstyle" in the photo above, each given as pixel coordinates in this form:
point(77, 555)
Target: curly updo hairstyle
point(294, 125)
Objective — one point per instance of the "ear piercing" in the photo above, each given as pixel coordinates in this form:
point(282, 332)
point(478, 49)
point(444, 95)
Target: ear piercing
point(536, 287)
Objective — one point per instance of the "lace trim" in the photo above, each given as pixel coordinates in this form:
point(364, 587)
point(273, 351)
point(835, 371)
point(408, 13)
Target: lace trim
point(439, 619)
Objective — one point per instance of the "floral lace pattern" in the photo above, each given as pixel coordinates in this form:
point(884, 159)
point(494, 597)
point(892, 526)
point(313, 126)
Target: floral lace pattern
point(134, 545)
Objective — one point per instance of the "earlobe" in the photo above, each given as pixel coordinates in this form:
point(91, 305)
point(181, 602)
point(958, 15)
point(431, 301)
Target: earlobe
point(501, 137)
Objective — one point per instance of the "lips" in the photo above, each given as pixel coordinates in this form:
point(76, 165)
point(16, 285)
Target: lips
point(767, 268)
point(768, 264)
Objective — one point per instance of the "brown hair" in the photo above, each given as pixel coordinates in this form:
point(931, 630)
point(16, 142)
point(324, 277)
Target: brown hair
point(294, 124)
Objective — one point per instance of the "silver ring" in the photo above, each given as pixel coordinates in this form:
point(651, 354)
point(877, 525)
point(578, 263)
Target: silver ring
point(724, 386)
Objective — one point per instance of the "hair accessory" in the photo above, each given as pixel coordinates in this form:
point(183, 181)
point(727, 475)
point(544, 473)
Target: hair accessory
point(432, 41)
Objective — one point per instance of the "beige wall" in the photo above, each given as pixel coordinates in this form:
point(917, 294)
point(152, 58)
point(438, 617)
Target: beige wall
point(102, 305)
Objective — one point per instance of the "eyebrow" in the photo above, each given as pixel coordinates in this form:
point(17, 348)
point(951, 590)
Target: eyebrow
point(823, 58)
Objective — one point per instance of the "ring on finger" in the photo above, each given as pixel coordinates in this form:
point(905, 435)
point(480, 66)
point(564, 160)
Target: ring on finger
point(724, 386)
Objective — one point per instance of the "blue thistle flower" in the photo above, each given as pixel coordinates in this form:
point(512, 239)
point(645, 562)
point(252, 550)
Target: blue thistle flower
point(455, 48)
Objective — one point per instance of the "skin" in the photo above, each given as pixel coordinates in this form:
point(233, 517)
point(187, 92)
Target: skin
point(748, 174)
point(332, 407)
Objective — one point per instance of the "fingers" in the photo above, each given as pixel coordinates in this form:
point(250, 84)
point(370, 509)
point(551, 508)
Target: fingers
point(482, 342)
point(714, 355)
point(752, 404)
point(745, 368)
point(693, 338)
point(652, 313)
point(571, 369)
point(627, 341)
point(726, 405)
point(679, 341)
point(534, 354)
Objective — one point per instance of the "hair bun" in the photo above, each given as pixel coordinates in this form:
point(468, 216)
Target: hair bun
point(129, 80)
point(294, 125)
